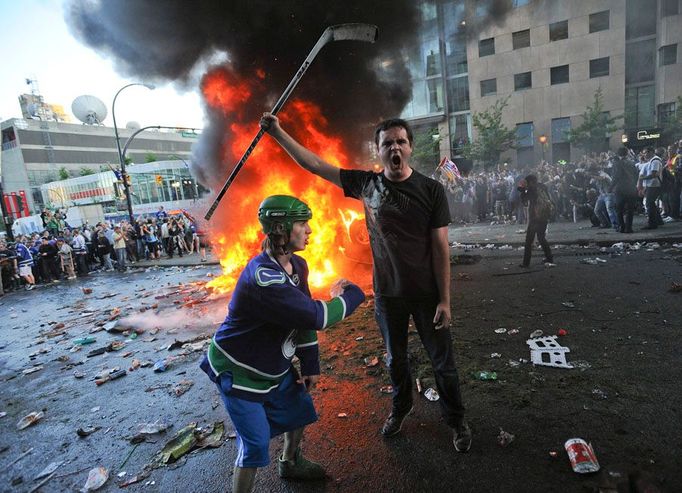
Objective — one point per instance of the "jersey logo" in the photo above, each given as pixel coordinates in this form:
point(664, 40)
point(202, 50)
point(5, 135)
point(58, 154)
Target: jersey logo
point(289, 346)
point(267, 277)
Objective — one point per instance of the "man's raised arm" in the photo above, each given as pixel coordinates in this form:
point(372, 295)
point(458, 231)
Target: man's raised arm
point(305, 158)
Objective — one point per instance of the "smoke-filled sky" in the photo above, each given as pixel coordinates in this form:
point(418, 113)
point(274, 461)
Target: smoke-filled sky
point(176, 40)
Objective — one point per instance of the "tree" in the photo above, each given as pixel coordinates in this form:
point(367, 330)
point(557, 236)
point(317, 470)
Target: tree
point(492, 137)
point(150, 158)
point(426, 150)
point(63, 173)
point(592, 134)
point(84, 171)
point(129, 160)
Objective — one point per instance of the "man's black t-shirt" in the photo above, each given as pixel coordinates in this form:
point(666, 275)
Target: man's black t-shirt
point(400, 217)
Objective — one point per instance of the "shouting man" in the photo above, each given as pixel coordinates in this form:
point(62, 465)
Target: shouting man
point(407, 219)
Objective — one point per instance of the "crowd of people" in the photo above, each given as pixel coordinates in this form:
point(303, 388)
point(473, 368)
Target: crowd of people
point(64, 253)
point(593, 187)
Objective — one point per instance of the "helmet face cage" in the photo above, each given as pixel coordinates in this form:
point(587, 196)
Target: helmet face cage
point(278, 213)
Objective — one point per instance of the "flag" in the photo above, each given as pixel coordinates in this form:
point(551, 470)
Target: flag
point(449, 169)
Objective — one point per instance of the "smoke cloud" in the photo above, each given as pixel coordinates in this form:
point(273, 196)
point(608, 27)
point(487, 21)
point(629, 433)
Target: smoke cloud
point(355, 84)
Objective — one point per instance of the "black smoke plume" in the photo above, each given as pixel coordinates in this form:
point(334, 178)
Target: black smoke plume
point(166, 40)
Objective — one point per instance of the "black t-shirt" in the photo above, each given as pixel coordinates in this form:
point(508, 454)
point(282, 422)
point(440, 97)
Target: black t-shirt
point(400, 217)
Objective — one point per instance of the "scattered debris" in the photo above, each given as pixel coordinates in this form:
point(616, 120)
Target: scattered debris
point(431, 394)
point(501, 330)
point(535, 334)
point(96, 479)
point(82, 341)
point(34, 369)
point(419, 385)
point(342, 415)
point(182, 387)
point(675, 288)
point(49, 469)
point(582, 456)
point(562, 332)
point(495, 355)
point(386, 389)
point(485, 375)
point(29, 420)
point(512, 332)
point(568, 304)
point(189, 438)
point(545, 351)
point(146, 430)
point(371, 362)
point(504, 438)
point(87, 431)
point(113, 374)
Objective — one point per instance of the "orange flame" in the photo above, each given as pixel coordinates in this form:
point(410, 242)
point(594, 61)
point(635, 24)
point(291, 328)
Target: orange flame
point(235, 231)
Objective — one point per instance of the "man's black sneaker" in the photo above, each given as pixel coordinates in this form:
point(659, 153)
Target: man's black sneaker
point(461, 438)
point(394, 423)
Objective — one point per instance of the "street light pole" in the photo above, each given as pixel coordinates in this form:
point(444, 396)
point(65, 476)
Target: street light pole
point(121, 159)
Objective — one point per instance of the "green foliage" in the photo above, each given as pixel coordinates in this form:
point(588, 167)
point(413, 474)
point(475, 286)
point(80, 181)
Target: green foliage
point(84, 171)
point(596, 126)
point(150, 158)
point(426, 150)
point(128, 160)
point(492, 137)
point(63, 173)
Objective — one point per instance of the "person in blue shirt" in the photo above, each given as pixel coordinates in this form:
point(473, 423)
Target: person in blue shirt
point(272, 317)
point(161, 214)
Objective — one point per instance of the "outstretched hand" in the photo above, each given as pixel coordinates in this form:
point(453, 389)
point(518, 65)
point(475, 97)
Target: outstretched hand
point(339, 287)
point(309, 380)
point(442, 317)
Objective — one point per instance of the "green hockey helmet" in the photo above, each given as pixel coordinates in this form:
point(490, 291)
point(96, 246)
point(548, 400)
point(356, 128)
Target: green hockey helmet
point(284, 210)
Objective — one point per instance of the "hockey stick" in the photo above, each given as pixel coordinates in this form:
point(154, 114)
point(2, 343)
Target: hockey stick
point(341, 32)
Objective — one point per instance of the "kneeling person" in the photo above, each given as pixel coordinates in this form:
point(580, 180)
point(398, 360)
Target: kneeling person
point(271, 318)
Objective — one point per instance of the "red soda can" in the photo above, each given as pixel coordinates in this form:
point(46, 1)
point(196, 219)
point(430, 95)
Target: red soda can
point(582, 457)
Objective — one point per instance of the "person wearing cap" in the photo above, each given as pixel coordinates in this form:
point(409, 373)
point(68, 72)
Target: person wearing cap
point(272, 318)
point(407, 219)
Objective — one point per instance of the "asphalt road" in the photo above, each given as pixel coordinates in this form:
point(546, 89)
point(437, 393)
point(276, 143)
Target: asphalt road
point(623, 329)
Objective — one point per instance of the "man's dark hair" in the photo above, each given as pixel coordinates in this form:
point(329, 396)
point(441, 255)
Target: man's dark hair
point(391, 123)
point(660, 151)
point(649, 149)
point(622, 151)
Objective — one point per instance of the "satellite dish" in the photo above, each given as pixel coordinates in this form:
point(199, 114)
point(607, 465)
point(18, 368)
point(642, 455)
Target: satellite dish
point(89, 109)
point(133, 125)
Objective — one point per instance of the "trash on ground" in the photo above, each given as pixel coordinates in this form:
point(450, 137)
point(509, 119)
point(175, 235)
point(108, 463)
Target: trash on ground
point(568, 304)
point(111, 376)
point(512, 332)
point(504, 438)
point(599, 394)
point(535, 334)
point(29, 420)
point(342, 415)
point(545, 351)
point(485, 375)
point(370, 362)
point(582, 456)
point(182, 387)
point(49, 469)
point(562, 332)
point(34, 369)
point(145, 430)
point(96, 479)
point(87, 431)
point(675, 288)
point(431, 394)
point(189, 438)
point(418, 382)
point(495, 355)
point(81, 341)
point(501, 330)
point(386, 389)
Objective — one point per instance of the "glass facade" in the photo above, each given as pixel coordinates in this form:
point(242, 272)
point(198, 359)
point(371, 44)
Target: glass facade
point(639, 107)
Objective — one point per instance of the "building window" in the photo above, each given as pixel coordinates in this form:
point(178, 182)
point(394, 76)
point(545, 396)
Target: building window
point(599, 21)
point(639, 107)
point(523, 81)
point(524, 135)
point(486, 47)
point(460, 132)
point(521, 39)
point(560, 128)
point(458, 94)
point(558, 30)
point(669, 7)
point(559, 75)
point(641, 61)
point(488, 87)
point(667, 55)
point(640, 18)
point(666, 113)
point(599, 67)
point(519, 3)
point(456, 55)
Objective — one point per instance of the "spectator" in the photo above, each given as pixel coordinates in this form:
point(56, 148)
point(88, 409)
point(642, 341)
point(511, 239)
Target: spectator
point(66, 259)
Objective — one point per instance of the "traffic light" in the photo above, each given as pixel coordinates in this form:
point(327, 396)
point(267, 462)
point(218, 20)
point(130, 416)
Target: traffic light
point(159, 180)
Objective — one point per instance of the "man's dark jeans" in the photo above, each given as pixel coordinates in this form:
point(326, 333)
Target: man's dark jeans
point(539, 228)
point(650, 196)
point(625, 208)
point(393, 315)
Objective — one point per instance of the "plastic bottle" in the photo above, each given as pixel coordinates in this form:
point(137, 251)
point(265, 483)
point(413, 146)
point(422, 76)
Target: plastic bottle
point(486, 375)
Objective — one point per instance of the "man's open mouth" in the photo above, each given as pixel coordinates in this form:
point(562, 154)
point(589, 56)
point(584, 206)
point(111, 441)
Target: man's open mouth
point(395, 159)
